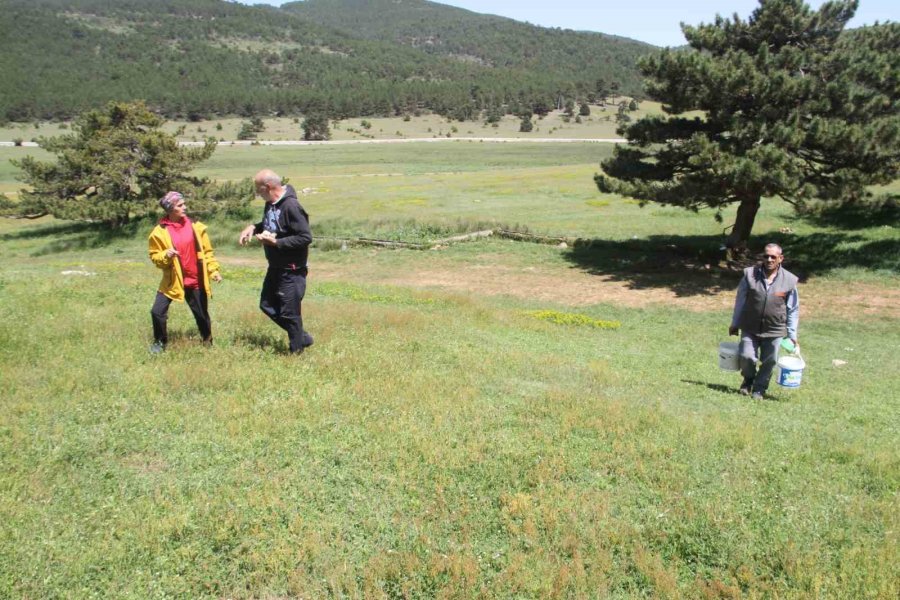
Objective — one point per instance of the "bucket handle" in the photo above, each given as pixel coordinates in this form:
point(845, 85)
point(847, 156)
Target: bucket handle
point(797, 354)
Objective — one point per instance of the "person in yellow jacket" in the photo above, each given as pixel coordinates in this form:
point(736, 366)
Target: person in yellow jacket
point(181, 248)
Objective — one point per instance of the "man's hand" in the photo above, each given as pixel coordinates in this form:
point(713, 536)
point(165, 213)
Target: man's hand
point(246, 234)
point(732, 330)
point(217, 277)
point(267, 238)
point(170, 252)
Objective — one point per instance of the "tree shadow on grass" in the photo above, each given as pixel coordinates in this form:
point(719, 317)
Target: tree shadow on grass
point(67, 237)
point(716, 387)
point(724, 389)
point(688, 265)
point(882, 210)
point(42, 231)
point(263, 341)
point(694, 266)
point(820, 253)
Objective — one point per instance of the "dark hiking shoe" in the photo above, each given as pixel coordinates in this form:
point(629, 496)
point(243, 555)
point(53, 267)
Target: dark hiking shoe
point(757, 396)
point(744, 391)
point(157, 348)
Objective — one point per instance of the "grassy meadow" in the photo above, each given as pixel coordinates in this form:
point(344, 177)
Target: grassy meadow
point(601, 123)
point(491, 419)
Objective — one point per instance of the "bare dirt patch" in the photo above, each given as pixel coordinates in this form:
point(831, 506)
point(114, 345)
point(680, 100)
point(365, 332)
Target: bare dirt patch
point(574, 287)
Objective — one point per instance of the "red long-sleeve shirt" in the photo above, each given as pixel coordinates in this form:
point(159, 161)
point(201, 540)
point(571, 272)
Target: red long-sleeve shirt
point(183, 239)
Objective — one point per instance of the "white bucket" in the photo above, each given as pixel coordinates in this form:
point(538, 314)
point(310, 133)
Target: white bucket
point(728, 356)
point(790, 370)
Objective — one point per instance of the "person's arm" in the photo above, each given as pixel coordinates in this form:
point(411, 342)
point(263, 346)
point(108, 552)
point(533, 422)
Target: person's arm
point(298, 233)
point(210, 262)
point(161, 252)
point(792, 305)
point(739, 301)
point(249, 231)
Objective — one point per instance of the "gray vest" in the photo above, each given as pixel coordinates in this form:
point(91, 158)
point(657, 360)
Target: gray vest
point(765, 311)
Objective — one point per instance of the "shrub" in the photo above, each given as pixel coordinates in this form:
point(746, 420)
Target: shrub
point(228, 198)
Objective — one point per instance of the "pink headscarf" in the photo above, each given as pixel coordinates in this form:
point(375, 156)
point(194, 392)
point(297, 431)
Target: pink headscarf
point(169, 200)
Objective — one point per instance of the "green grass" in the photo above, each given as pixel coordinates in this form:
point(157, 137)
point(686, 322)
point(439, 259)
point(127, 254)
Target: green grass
point(433, 443)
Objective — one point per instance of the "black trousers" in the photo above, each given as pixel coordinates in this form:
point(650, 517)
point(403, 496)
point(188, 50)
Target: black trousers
point(196, 300)
point(281, 297)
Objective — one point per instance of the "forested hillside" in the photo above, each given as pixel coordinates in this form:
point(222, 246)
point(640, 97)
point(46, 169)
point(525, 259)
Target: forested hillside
point(494, 41)
point(205, 58)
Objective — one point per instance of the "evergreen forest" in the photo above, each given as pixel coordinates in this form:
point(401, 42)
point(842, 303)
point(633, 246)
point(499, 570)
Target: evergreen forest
point(197, 59)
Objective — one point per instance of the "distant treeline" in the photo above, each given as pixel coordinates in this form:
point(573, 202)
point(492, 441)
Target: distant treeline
point(197, 59)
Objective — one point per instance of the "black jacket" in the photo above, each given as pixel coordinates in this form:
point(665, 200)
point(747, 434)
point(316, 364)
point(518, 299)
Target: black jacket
point(290, 224)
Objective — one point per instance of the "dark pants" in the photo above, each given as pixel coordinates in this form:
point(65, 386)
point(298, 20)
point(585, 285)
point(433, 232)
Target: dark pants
point(196, 300)
point(767, 349)
point(282, 294)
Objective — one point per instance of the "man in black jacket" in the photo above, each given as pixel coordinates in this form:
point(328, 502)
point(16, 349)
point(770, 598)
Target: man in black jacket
point(285, 235)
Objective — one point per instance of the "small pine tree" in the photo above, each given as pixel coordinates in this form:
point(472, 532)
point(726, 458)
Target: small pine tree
point(116, 164)
point(526, 125)
point(541, 107)
point(247, 131)
point(315, 128)
point(622, 116)
point(492, 115)
point(601, 90)
point(7, 207)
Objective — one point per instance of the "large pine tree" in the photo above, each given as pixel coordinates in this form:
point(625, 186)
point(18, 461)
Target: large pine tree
point(791, 106)
point(115, 165)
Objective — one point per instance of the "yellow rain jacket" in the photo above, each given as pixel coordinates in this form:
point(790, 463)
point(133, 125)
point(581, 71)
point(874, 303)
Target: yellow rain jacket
point(172, 284)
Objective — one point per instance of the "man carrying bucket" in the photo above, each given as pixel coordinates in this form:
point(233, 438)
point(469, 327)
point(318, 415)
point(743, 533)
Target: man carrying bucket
point(766, 309)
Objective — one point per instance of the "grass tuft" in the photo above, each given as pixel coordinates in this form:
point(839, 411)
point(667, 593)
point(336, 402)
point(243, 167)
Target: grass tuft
point(564, 318)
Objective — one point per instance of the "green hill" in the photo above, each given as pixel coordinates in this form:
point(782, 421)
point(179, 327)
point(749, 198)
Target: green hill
point(496, 42)
point(204, 58)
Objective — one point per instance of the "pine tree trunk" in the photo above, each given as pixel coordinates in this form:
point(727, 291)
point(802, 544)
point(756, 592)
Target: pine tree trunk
point(743, 224)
